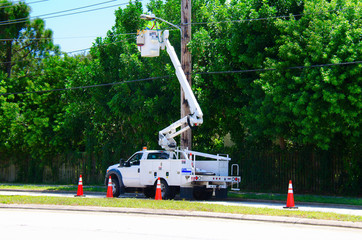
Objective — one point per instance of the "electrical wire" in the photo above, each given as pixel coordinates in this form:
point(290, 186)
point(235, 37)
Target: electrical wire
point(22, 20)
point(11, 4)
point(68, 10)
point(63, 53)
point(76, 37)
point(195, 23)
point(85, 87)
point(73, 9)
point(14, 20)
point(165, 77)
point(264, 18)
point(37, 1)
point(275, 69)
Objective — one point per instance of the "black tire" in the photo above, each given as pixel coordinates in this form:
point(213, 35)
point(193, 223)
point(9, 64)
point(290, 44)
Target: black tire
point(115, 186)
point(202, 193)
point(167, 192)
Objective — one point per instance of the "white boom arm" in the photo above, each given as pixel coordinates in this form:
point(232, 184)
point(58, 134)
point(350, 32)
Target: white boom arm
point(166, 136)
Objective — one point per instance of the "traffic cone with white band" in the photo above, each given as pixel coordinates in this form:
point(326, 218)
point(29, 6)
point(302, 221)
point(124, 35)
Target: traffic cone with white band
point(110, 188)
point(158, 190)
point(80, 188)
point(290, 199)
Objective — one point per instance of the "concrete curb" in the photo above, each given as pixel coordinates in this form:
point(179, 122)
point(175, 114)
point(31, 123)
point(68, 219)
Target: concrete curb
point(51, 191)
point(180, 213)
point(332, 205)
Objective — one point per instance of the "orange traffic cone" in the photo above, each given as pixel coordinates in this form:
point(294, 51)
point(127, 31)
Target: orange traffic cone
point(80, 188)
point(158, 190)
point(290, 199)
point(110, 188)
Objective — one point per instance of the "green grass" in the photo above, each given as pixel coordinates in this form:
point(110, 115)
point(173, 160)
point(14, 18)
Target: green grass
point(55, 188)
point(239, 195)
point(173, 205)
point(298, 198)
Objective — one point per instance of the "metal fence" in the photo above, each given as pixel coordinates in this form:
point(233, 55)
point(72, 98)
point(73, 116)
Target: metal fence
point(311, 172)
point(62, 170)
point(260, 171)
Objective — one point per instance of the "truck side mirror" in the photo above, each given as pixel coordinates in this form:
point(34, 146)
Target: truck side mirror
point(121, 162)
point(124, 164)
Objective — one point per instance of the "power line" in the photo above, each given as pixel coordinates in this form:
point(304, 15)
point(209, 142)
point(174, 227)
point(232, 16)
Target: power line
point(19, 19)
point(37, 1)
point(85, 87)
point(80, 50)
point(267, 18)
point(11, 3)
point(164, 77)
point(63, 53)
point(22, 20)
point(76, 37)
point(73, 9)
point(107, 44)
point(276, 69)
point(195, 23)
point(28, 2)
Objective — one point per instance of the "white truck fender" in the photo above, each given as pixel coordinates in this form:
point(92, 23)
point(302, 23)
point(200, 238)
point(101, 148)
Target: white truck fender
point(118, 174)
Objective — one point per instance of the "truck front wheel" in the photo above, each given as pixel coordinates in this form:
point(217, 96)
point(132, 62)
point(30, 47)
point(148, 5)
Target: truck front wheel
point(115, 186)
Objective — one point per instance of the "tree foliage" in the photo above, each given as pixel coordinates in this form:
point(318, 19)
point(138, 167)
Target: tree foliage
point(263, 70)
point(318, 103)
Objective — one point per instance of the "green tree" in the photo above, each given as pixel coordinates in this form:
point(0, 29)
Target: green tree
point(10, 29)
point(227, 40)
point(31, 124)
point(34, 43)
point(28, 121)
point(318, 106)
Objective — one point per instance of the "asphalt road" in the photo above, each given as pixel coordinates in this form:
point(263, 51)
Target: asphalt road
point(47, 224)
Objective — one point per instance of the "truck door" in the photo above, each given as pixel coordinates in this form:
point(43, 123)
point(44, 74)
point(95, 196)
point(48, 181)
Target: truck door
point(131, 171)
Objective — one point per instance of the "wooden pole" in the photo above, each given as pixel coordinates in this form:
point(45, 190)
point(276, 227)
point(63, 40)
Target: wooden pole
point(186, 137)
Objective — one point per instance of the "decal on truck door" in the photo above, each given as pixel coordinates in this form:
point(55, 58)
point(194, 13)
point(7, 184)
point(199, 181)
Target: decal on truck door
point(186, 171)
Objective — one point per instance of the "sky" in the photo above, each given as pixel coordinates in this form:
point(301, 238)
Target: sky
point(77, 31)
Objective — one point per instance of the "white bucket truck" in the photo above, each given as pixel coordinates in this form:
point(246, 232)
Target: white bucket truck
point(193, 174)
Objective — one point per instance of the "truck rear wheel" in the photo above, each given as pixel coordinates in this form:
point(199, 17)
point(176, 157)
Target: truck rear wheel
point(167, 192)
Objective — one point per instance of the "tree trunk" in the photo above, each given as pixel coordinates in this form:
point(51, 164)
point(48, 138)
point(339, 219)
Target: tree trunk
point(8, 63)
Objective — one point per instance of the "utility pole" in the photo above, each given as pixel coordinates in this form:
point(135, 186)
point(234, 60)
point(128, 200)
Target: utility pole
point(186, 137)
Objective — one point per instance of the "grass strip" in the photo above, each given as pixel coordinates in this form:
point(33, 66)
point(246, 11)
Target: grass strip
point(174, 205)
point(238, 195)
point(55, 188)
point(298, 198)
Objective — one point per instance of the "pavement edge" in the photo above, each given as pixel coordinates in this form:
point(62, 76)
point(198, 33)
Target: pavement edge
point(180, 213)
